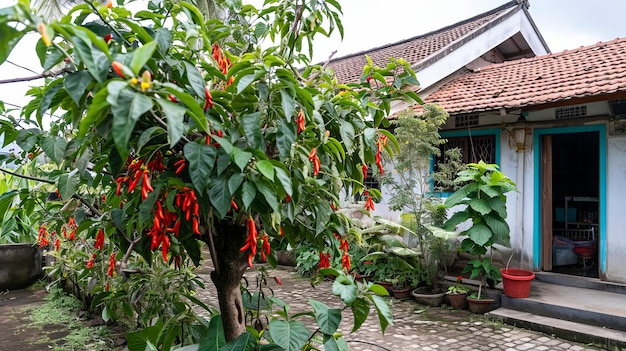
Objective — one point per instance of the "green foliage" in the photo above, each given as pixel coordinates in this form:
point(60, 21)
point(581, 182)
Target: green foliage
point(164, 128)
point(483, 202)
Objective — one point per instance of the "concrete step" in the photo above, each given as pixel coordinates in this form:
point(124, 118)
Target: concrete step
point(593, 307)
point(580, 282)
point(604, 338)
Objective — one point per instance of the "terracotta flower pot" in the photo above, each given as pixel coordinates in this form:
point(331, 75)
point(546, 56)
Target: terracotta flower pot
point(385, 285)
point(457, 301)
point(479, 306)
point(401, 293)
point(516, 282)
point(426, 296)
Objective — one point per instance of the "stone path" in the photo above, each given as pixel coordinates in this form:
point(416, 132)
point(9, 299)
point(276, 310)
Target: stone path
point(415, 327)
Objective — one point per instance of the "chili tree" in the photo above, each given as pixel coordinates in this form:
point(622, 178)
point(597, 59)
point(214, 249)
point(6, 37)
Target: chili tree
point(176, 130)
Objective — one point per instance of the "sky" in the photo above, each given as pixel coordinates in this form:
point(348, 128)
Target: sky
point(564, 24)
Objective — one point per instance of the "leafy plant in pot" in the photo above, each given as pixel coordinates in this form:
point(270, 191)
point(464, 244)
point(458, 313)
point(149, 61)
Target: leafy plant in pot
point(484, 201)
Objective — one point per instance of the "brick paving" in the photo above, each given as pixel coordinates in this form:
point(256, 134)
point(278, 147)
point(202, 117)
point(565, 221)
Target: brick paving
point(416, 327)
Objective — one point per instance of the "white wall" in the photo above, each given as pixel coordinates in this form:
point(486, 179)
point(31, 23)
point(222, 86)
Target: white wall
point(616, 209)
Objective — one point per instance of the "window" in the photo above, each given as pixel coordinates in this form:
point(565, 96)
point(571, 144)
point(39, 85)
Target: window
point(483, 146)
point(473, 149)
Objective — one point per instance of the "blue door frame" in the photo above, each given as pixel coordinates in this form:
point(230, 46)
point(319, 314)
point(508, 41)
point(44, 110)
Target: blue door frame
point(538, 133)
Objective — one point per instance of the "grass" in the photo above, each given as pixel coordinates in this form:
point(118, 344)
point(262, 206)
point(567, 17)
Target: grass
point(61, 309)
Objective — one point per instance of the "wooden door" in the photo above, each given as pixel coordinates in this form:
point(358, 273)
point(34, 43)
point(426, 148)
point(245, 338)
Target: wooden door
point(546, 203)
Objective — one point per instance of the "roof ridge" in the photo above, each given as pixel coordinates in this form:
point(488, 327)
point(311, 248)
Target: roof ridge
point(550, 55)
point(505, 6)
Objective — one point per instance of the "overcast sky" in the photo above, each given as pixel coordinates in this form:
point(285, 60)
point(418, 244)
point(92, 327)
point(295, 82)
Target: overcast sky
point(564, 24)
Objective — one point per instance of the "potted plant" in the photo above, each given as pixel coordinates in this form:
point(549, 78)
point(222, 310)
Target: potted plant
point(457, 293)
point(483, 202)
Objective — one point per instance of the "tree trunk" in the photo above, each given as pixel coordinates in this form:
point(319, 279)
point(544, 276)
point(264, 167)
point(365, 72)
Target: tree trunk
point(229, 269)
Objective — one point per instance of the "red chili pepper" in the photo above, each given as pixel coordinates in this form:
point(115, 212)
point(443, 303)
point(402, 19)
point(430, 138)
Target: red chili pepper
point(181, 165)
point(233, 204)
point(111, 269)
point(251, 241)
point(165, 246)
point(379, 163)
point(117, 67)
point(300, 121)
point(316, 161)
point(278, 281)
point(196, 226)
point(209, 99)
point(287, 198)
point(172, 98)
point(369, 204)
point(57, 245)
point(345, 261)
point(324, 260)
point(281, 231)
point(364, 169)
point(99, 240)
point(108, 38)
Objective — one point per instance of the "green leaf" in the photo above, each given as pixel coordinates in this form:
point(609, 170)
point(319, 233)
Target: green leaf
point(175, 116)
point(268, 192)
point(479, 233)
point(327, 318)
point(54, 147)
point(385, 317)
point(285, 137)
point(141, 56)
point(241, 158)
point(500, 229)
point(360, 311)
point(68, 184)
point(290, 335)
point(455, 220)
point(244, 82)
point(460, 194)
point(129, 106)
point(234, 182)
point(219, 196)
point(479, 205)
point(138, 341)
point(92, 58)
point(96, 112)
point(244, 342)
point(347, 135)
point(76, 84)
point(288, 102)
point(195, 110)
point(266, 168)
point(10, 37)
point(248, 193)
point(201, 159)
point(284, 179)
point(252, 129)
point(215, 337)
point(346, 289)
point(195, 79)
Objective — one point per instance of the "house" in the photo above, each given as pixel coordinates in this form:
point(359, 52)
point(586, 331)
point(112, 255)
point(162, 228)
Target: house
point(558, 122)
point(555, 123)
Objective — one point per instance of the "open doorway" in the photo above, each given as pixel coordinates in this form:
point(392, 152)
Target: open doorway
point(571, 188)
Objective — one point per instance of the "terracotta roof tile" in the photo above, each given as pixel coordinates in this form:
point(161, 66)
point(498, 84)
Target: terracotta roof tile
point(348, 69)
point(584, 72)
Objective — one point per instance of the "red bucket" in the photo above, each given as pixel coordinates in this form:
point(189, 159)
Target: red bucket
point(516, 282)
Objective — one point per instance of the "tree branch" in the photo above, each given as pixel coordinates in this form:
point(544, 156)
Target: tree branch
point(26, 177)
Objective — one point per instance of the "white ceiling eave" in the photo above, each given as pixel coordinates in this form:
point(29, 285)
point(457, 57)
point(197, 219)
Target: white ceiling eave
point(452, 61)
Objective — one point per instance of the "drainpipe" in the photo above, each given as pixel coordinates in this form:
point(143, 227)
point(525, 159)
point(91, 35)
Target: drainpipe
point(520, 143)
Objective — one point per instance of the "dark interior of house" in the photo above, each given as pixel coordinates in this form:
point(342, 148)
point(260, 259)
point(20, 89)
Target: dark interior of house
point(575, 193)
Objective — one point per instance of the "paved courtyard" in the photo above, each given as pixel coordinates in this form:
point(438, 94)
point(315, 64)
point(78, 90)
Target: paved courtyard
point(415, 327)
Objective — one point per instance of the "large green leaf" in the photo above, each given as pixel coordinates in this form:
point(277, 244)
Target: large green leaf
point(266, 168)
point(284, 179)
point(248, 193)
point(76, 84)
point(201, 159)
point(332, 344)
point(360, 310)
point(96, 112)
point(129, 106)
point(290, 335)
point(6, 201)
point(266, 188)
point(240, 157)
point(252, 129)
point(68, 184)
point(499, 227)
point(347, 135)
point(479, 233)
point(175, 115)
point(139, 340)
point(195, 79)
point(54, 147)
point(385, 317)
point(215, 337)
point(288, 102)
point(455, 220)
point(346, 289)
point(285, 137)
point(195, 111)
point(479, 205)
point(245, 342)
point(141, 56)
point(10, 37)
point(460, 194)
point(89, 55)
point(327, 318)
point(219, 196)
